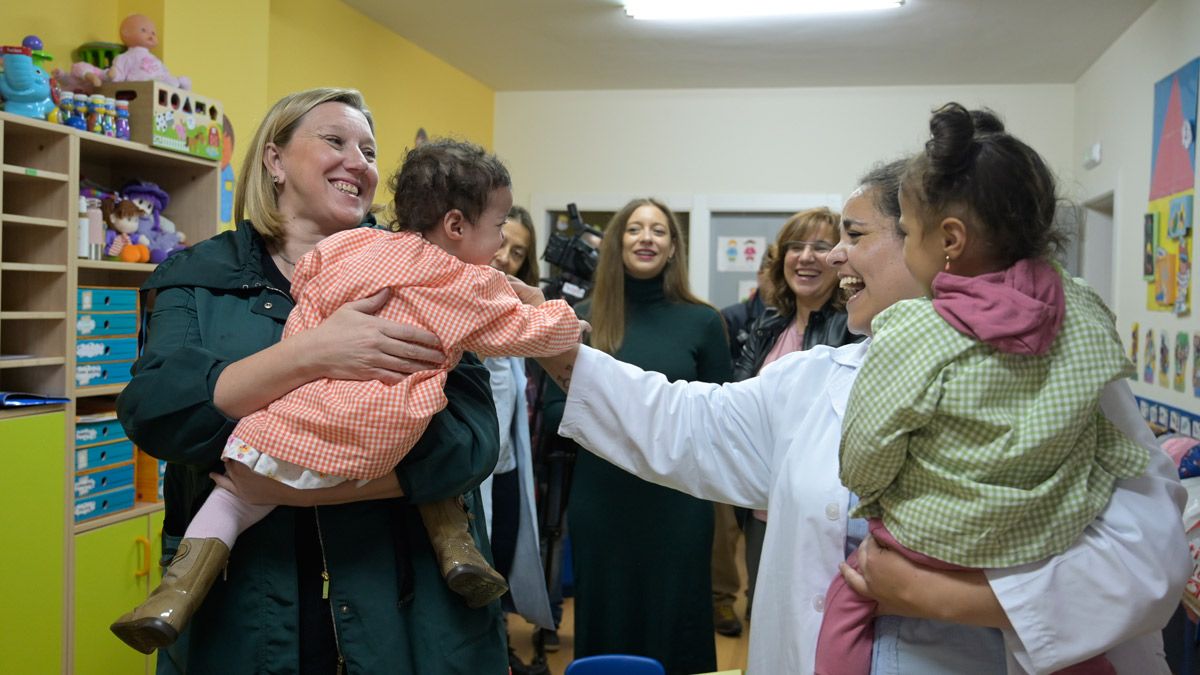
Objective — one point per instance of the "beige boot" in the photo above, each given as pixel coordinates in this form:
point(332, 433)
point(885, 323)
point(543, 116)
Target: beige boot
point(463, 566)
point(157, 622)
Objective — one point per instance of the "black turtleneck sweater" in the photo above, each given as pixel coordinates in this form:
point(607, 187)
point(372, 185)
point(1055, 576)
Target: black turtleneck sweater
point(642, 551)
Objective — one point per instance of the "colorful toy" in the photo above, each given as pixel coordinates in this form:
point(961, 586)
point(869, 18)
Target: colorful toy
point(164, 239)
point(108, 122)
point(122, 240)
point(83, 78)
point(95, 113)
point(24, 86)
point(35, 46)
point(122, 123)
point(170, 118)
point(78, 118)
point(137, 64)
point(66, 106)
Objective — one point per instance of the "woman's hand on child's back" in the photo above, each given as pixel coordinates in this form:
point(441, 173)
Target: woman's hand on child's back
point(354, 344)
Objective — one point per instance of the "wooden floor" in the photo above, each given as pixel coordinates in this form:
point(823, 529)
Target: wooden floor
point(731, 652)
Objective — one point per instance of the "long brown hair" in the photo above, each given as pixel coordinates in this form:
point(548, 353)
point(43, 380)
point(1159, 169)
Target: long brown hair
point(608, 297)
point(804, 226)
point(528, 271)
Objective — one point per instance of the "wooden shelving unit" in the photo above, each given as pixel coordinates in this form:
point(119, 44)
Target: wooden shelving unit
point(41, 167)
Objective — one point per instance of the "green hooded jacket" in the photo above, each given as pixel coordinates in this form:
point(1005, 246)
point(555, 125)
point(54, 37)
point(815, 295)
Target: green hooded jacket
point(392, 611)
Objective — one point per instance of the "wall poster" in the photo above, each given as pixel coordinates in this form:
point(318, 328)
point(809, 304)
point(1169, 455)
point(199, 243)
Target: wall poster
point(1167, 255)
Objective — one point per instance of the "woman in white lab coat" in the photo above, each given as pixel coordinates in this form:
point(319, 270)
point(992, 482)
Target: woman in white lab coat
point(772, 442)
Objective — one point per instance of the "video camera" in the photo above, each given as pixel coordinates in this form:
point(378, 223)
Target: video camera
point(575, 256)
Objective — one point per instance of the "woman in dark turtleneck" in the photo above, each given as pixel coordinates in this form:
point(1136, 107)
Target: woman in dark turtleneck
point(642, 551)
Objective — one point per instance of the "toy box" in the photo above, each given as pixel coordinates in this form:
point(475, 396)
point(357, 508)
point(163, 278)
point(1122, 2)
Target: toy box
point(103, 456)
point(103, 504)
point(104, 479)
point(97, 429)
point(171, 118)
point(107, 299)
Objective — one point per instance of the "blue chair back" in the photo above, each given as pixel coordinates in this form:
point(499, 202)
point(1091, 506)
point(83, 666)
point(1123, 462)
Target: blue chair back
point(615, 664)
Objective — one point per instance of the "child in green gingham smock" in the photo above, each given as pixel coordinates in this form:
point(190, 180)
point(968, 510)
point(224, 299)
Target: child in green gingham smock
point(968, 455)
point(981, 458)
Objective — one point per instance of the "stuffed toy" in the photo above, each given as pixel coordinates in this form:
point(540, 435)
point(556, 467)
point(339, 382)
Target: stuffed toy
point(137, 64)
point(122, 241)
point(163, 237)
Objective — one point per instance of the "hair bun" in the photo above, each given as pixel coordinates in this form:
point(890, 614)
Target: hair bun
point(952, 131)
point(986, 122)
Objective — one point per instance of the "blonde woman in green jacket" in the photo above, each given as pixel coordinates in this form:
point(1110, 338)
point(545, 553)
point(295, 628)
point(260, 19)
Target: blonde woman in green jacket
point(347, 581)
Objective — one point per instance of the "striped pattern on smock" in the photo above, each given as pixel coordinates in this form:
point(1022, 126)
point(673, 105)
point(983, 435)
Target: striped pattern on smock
point(980, 458)
point(361, 430)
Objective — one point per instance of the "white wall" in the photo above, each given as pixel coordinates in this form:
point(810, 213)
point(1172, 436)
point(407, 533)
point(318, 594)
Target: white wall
point(1114, 107)
point(737, 146)
point(753, 141)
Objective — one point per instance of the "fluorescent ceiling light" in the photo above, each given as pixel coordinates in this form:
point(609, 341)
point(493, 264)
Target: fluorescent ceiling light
point(741, 9)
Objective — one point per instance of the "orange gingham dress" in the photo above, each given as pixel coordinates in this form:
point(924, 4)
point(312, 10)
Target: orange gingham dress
point(361, 430)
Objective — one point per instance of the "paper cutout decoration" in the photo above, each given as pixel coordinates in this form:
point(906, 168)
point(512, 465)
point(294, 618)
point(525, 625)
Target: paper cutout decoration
point(1164, 360)
point(1196, 364)
point(1181, 361)
point(1148, 368)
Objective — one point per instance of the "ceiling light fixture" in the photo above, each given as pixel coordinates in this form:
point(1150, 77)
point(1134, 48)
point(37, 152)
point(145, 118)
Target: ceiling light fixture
point(683, 10)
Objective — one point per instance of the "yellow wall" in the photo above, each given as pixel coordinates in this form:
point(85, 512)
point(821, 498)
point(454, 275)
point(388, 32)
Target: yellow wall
point(248, 53)
point(319, 42)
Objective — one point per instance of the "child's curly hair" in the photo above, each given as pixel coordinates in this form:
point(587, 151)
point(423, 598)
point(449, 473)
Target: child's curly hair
point(442, 175)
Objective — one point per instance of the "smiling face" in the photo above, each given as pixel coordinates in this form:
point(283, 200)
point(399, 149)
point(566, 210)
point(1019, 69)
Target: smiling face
point(326, 174)
point(806, 269)
point(646, 243)
point(482, 239)
point(869, 261)
point(515, 250)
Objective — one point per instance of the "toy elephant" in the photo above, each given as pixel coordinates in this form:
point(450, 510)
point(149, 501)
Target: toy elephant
point(24, 86)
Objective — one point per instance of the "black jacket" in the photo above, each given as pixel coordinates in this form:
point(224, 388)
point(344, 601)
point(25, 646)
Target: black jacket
point(826, 326)
point(738, 319)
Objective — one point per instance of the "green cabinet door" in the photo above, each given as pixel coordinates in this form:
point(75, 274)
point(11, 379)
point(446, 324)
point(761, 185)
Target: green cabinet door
point(156, 570)
point(33, 502)
point(111, 577)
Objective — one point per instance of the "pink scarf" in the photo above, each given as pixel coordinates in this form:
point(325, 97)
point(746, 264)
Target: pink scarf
point(1017, 311)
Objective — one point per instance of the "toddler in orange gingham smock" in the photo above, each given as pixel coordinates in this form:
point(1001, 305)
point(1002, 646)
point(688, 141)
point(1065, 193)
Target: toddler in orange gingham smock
point(328, 431)
point(331, 430)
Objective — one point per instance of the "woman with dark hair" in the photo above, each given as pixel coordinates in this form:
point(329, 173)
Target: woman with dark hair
point(772, 442)
point(517, 256)
point(642, 551)
point(805, 311)
point(508, 494)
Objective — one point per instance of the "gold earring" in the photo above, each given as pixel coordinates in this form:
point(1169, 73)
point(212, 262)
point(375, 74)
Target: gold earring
point(947, 262)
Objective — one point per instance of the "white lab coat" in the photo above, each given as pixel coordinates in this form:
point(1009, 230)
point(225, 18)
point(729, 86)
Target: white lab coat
point(771, 442)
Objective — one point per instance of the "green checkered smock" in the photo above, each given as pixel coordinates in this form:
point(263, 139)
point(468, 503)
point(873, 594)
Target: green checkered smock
point(980, 458)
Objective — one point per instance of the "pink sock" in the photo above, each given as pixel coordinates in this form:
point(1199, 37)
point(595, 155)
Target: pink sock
point(224, 516)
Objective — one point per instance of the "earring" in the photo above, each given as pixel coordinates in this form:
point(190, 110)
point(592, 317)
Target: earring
point(276, 180)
